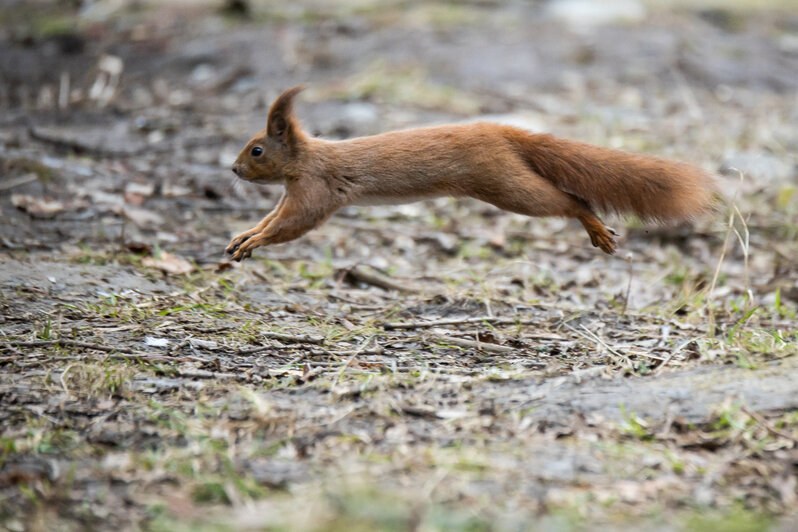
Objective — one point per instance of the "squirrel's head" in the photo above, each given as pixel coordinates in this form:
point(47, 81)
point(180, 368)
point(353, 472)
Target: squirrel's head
point(264, 158)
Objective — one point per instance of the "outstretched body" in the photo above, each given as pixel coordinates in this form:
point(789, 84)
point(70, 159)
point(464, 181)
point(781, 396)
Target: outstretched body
point(515, 170)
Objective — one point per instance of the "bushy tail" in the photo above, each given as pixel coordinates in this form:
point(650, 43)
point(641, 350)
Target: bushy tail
point(616, 181)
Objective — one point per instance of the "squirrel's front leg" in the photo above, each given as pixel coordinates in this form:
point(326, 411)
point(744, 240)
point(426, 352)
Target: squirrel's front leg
point(240, 239)
point(294, 218)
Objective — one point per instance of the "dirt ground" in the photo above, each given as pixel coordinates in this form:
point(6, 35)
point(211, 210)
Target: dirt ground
point(433, 366)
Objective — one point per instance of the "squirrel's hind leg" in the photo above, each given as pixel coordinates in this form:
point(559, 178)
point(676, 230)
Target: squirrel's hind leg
point(530, 194)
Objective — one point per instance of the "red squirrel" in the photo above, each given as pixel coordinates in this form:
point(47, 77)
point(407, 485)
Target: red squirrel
point(513, 169)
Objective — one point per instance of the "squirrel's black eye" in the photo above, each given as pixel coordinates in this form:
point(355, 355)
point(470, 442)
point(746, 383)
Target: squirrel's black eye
point(257, 151)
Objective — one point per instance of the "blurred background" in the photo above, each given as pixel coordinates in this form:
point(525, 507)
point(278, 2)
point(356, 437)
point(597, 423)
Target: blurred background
point(120, 118)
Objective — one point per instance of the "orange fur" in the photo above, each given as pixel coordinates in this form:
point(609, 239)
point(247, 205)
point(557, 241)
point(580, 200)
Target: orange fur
point(532, 174)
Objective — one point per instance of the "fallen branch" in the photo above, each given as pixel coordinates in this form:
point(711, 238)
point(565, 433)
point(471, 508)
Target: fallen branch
point(593, 337)
point(115, 353)
point(422, 411)
point(358, 274)
point(770, 428)
point(579, 375)
point(345, 365)
point(25, 179)
point(473, 344)
point(492, 320)
point(376, 351)
point(308, 373)
point(66, 343)
point(81, 146)
point(289, 338)
point(426, 324)
point(157, 358)
point(296, 338)
point(672, 354)
point(203, 374)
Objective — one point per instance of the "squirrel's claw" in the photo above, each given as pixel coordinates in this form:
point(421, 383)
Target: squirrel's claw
point(236, 243)
point(605, 240)
point(232, 247)
point(241, 253)
point(607, 243)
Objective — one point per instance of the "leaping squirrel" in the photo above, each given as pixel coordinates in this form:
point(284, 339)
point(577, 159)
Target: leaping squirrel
point(513, 169)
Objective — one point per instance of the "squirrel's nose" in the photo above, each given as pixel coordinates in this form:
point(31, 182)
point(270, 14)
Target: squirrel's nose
point(235, 169)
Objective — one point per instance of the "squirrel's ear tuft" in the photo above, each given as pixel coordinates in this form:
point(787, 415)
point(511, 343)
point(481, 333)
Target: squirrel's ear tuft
point(282, 124)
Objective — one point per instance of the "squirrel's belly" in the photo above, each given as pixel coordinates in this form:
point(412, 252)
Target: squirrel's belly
point(367, 201)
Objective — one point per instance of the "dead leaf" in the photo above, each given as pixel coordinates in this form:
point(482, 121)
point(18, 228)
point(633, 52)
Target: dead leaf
point(204, 344)
point(497, 240)
point(137, 193)
point(155, 342)
point(170, 190)
point(169, 263)
point(37, 206)
point(223, 266)
point(142, 217)
point(138, 247)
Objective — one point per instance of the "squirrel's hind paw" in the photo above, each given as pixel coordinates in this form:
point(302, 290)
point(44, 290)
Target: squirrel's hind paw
point(606, 241)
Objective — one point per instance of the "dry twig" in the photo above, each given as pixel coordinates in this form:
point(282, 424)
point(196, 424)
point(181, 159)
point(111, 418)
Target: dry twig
point(493, 320)
point(474, 344)
point(358, 274)
point(764, 422)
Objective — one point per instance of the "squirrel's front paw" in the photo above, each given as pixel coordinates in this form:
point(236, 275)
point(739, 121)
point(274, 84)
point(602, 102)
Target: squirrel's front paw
point(242, 252)
point(235, 243)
